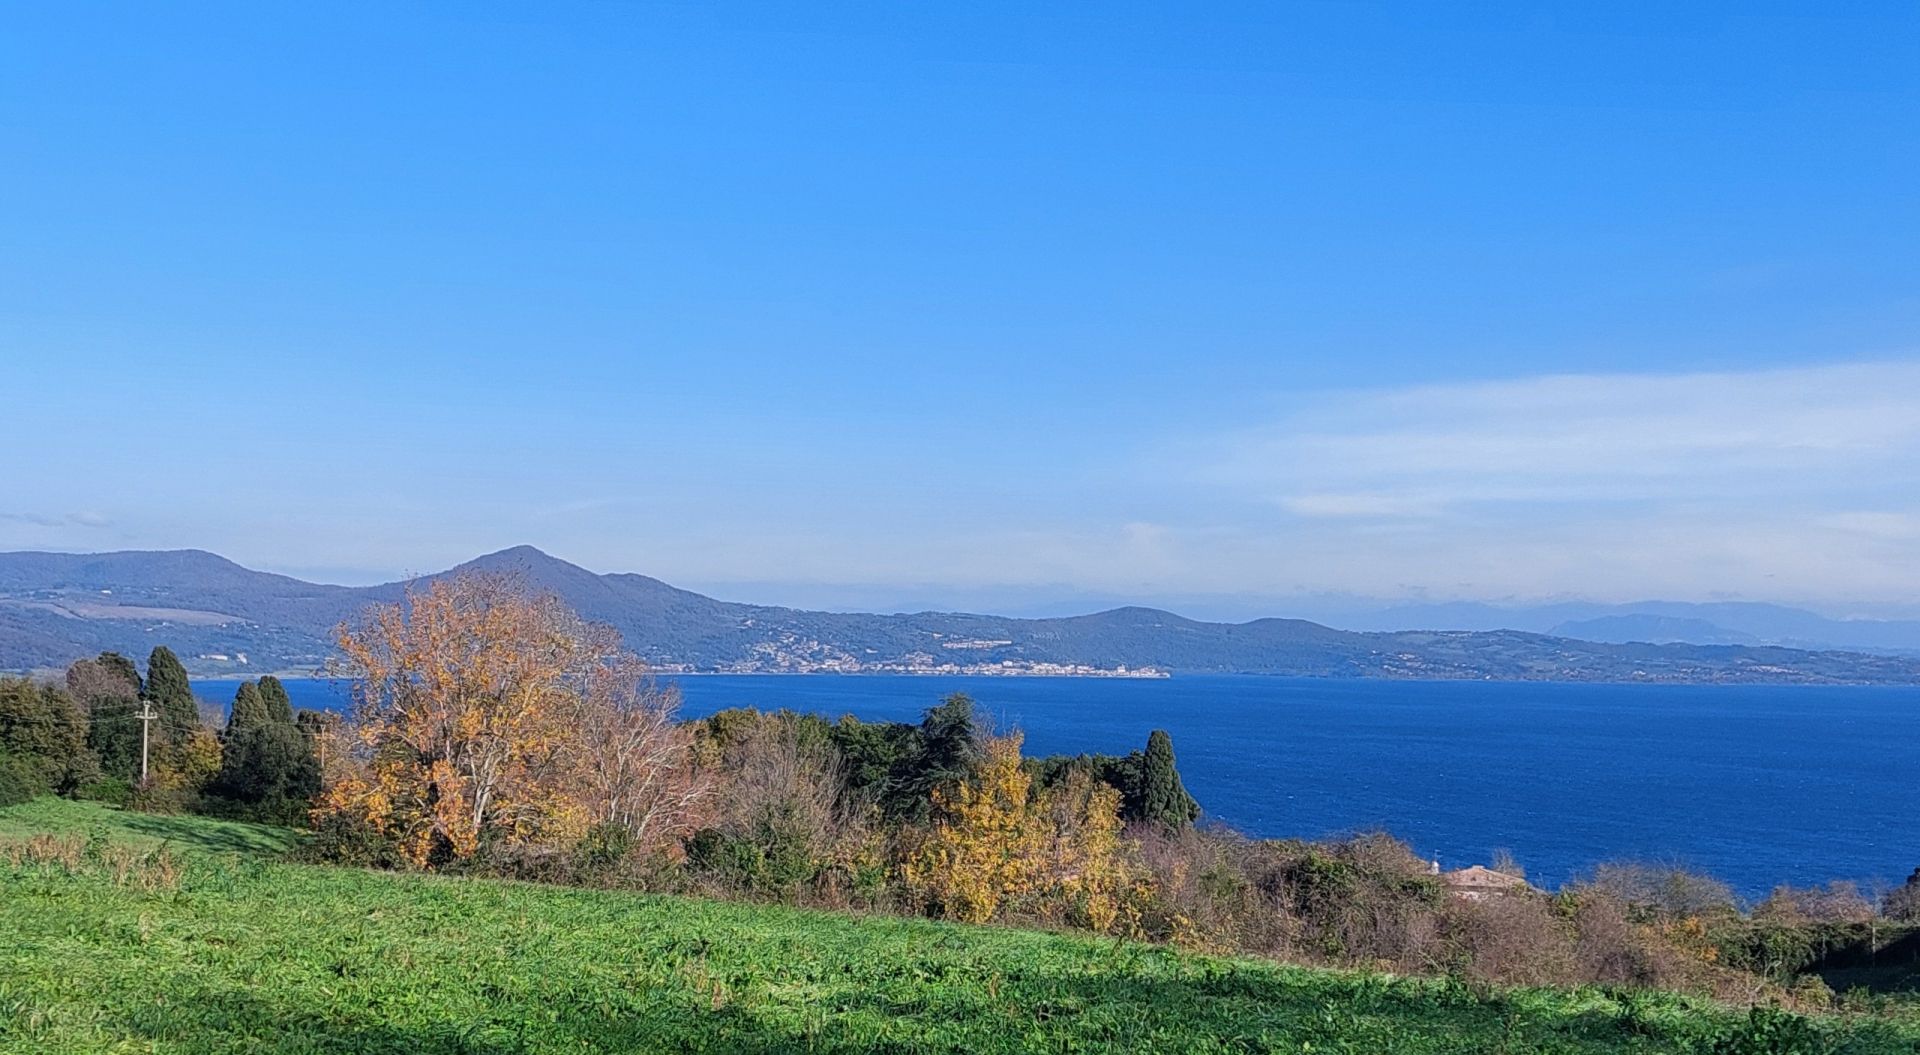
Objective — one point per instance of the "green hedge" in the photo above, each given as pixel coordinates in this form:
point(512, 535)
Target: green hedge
point(20, 780)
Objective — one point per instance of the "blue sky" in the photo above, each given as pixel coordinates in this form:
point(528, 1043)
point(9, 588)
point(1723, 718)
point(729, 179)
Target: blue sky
point(1226, 306)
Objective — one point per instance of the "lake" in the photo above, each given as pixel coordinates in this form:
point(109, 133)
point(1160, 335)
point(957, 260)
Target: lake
point(1755, 784)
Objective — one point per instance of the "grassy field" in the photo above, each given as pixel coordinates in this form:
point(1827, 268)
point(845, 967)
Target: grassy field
point(189, 835)
point(232, 951)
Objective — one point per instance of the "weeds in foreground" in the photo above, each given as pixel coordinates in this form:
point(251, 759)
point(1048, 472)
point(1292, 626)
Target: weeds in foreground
point(95, 855)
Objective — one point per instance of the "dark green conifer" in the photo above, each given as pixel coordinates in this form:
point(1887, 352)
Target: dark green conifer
point(249, 709)
point(950, 749)
point(172, 695)
point(1164, 799)
point(267, 762)
point(279, 704)
point(43, 729)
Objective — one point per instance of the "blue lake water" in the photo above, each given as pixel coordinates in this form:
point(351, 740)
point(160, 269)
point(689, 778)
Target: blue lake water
point(1755, 784)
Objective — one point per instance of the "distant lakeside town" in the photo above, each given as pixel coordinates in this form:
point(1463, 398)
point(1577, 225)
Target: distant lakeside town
point(230, 621)
point(1005, 668)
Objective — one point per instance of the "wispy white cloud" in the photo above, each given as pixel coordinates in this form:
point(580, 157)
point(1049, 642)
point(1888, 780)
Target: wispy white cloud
point(1787, 483)
point(1793, 485)
point(1433, 450)
point(83, 518)
point(1875, 525)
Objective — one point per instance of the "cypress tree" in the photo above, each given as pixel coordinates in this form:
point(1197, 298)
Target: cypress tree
point(1164, 799)
point(249, 709)
point(172, 695)
point(267, 761)
point(279, 704)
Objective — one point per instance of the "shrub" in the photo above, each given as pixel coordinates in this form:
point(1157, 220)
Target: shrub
point(164, 795)
point(1610, 949)
point(984, 851)
point(1652, 891)
point(1810, 991)
point(738, 863)
point(1366, 900)
point(19, 780)
point(1903, 902)
point(1770, 1031)
point(1512, 940)
point(1837, 902)
point(1198, 893)
point(341, 839)
point(286, 811)
point(602, 849)
point(114, 791)
point(779, 825)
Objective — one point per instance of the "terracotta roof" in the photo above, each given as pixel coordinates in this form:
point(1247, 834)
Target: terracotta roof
point(1482, 878)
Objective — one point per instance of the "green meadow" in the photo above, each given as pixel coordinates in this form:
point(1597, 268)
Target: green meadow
point(124, 932)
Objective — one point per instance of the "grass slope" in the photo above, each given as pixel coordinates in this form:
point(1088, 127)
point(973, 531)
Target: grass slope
point(197, 835)
point(247, 954)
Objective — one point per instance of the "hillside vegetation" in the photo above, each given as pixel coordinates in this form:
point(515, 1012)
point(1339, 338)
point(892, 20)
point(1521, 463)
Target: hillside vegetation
point(186, 935)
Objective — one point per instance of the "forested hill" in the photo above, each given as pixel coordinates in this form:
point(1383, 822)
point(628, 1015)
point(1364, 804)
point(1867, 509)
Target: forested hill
point(56, 607)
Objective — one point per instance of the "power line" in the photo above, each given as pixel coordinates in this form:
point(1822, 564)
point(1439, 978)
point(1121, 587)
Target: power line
point(87, 719)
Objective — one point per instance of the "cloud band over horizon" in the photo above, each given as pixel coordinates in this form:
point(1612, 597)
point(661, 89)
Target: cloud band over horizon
point(1799, 485)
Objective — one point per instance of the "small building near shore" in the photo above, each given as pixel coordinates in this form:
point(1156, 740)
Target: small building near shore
point(1477, 883)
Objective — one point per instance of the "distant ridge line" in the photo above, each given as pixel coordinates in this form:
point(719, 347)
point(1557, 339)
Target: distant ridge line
point(280, 622)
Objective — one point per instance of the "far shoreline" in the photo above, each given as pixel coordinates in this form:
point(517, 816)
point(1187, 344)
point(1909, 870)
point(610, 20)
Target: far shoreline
point(1162, 676)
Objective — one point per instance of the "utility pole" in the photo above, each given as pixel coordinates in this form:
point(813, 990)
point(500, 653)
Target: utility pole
point(146, 717)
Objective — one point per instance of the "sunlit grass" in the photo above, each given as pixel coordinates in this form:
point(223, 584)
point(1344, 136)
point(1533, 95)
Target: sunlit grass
point(243, 953)
point(188, 834)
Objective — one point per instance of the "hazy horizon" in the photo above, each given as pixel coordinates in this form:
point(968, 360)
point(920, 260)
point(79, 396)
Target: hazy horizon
point(1000, 307)
point(1348, 611)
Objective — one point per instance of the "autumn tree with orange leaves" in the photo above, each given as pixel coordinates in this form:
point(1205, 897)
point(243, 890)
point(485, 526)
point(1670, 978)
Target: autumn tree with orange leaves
point(488, 717)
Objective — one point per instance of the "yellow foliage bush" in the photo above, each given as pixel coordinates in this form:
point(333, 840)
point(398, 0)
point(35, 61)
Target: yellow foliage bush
point(985, 850)
point(996, 849)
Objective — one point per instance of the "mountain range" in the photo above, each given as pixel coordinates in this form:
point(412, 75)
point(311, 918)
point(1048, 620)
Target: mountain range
point(1711, 623)
point(226, 619)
